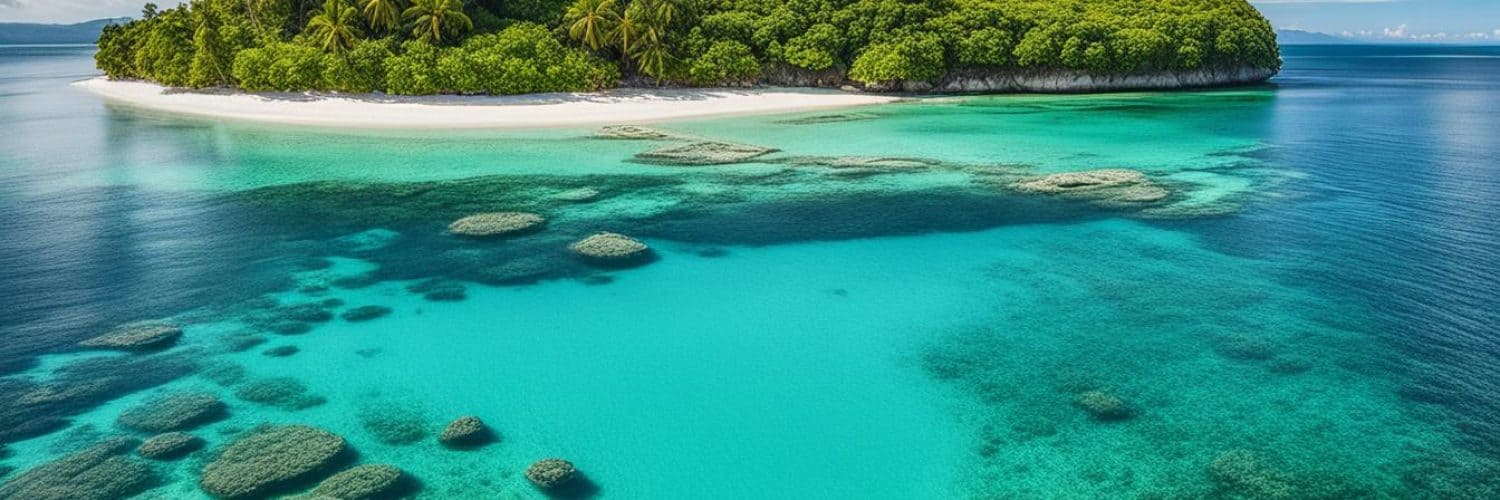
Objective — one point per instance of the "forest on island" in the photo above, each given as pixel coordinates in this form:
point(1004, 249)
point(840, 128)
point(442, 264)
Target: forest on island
point(418, 47)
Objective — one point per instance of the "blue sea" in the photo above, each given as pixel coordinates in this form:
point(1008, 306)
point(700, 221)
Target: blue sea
point(875, 310)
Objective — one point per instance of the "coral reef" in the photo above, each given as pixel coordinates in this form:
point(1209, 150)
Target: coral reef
point(635, 132)
point(171, 445)
point(283, 392)
point(466, 431)
point(549, 473)
point(173, 412)
point(1245, 474)
point(830, 118)
point(241, 341)
point(1115, 187)
point(224, 373)
point(270, 459)
point(365, 313)
point(100, 472)
point(522, 271)
point(136, 337)
point(1244, 347)
point(704, 153)
point(288, 327)
point(1103, 406)
point(495, 224)
point(611, 248)
point(361, 482)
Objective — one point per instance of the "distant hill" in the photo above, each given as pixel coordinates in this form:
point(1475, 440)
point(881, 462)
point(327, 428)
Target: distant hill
point(29, 33)
point(1299, 37)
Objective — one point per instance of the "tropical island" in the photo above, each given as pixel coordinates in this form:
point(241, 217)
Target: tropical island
point(391, 48)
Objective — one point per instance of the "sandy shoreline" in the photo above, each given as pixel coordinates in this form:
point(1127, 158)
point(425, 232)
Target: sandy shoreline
point(527, 111)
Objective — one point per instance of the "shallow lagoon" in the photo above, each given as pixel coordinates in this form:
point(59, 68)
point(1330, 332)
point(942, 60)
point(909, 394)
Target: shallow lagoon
point(807, 331)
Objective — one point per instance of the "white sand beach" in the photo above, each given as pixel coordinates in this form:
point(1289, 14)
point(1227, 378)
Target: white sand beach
point(524, 111)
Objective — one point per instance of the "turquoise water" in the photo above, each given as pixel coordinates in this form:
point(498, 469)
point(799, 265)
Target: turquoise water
point(1309, 314)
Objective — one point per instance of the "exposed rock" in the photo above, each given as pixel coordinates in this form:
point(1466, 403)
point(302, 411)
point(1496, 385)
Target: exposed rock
point(580, 195)
point(495, 224)
point(136, 337)
point(877, 163)
point(270, 459)
point(635, 132)
point(1103, 406)
point(1116, 187)
point(361, 482)
point(704, 153)
point(611, 248)
point(169, 446)
point(466, 431)
point(281, 351)
point(284, 392)
point(174, 412)
point(100, 472)
point(1066, 81)
point(549, 473)
point(365, 313)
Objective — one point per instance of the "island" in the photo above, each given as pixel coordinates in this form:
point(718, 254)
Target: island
point(375, 50)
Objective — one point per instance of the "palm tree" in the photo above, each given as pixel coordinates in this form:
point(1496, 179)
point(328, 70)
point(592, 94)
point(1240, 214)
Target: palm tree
point(433, 20)
point(593, 22)
point(645, 42)
point(335, 26)
point(627, 29)
point(383, 15)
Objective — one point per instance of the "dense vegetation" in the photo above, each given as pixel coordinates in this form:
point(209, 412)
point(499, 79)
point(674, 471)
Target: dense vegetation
point(521, 46)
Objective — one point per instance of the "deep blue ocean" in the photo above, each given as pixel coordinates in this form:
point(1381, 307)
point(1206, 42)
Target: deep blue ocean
point(1309, 310)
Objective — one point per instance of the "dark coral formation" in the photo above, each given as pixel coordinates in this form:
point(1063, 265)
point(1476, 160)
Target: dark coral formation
point(497, 224)
point(33, 408)
point(271, 459)
point(439, 290)
point(281, 351)
point(284, 392)
point(362, 482)
point(173, 412)
point(137, 337)
point(365, 313)
point(1244, 347)
point(100, 472)
point(635, 132)
point(169, 446)
point(241, 341)
point(522, 271)
point(1115, 187)
point(1244, 473)
point(466, 431)
point(550, 473)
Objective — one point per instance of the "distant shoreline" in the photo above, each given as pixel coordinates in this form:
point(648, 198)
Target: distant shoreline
point(378, 111)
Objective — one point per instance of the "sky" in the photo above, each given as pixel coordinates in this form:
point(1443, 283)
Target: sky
point(1383, 20)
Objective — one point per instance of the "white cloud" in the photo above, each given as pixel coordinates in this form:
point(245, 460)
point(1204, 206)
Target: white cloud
point(1398, 32)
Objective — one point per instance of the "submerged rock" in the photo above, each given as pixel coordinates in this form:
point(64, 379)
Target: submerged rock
point(361, 482)
point(393, 423)
point(635, 132)
point(1247, 475)
point(580, 195)
point(270, 459)
point(169, 446)
point(241, 341)
point(522, 271)
point(136, 337)
point(704, 153)
point(173, 412)
point(830, 118)
point(549, 473)
point(466, 431)
point(874, 163)
point(439, 290)
point(1119, 187)
point(365, 313)
point(611, 248)
point(284, 392)
point(100, 472)
point(307, 313)
point(495, 224)
point(1103, 406)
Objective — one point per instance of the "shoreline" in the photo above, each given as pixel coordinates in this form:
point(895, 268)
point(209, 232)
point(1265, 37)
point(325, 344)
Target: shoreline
point(376, 111)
